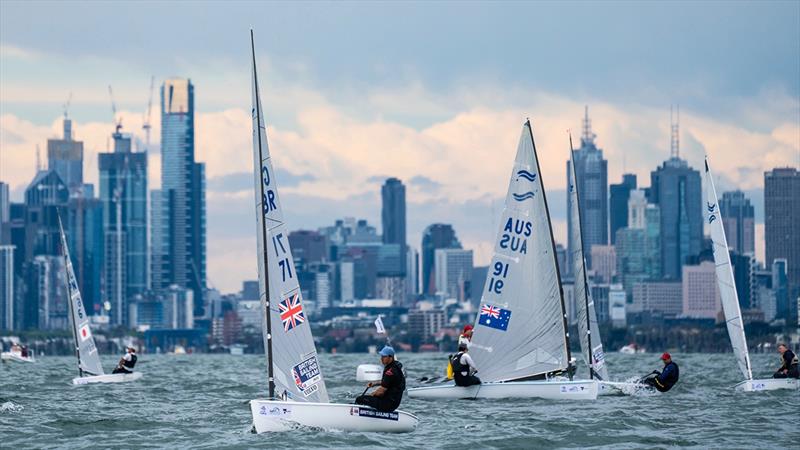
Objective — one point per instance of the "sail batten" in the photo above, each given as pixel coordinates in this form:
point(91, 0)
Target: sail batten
point(588, 327)
point(88, 357)
point(520, 330)
point(725, 281)
point(292, 365)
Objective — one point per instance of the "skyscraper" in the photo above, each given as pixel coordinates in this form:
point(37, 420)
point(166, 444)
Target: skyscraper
point(6, 287)
point(738, 218)
point(781, 219)
point(393, 212)
point(5, 204)
point(676, 189)
point(453, 273)
point(182, 234)
point(123, 193)
point(65, 156)
point(435, 236)
point(618, 203)
point(591, 172)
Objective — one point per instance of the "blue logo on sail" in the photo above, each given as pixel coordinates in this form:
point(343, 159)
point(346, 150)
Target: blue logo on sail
point(525, 174)
point(522, 197)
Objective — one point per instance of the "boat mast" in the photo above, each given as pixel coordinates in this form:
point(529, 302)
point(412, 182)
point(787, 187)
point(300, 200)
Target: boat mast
point(270, 369)
point(553, 245)
point(69, 296)
point(580, 237)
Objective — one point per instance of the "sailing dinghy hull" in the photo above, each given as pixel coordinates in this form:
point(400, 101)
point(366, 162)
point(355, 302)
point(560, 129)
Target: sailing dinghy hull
point(768, 384)
point(108, 378)
point(551, 390)
point(276, 415)
point(11, 356)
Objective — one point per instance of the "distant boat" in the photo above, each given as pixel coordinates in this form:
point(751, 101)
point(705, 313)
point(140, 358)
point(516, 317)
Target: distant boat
point(520, 341)
point(236, 349)
point(631, 349)
point(297, 392)
point(15, 355)
point(89, 367)
point(178, 350)
point(730, 299)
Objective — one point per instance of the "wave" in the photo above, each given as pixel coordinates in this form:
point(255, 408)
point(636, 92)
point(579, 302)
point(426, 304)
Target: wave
point(522, 197)
point(527, 175)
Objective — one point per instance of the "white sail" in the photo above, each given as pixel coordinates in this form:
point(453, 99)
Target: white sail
point(588, 328)
point(520, 330)
point(291, 356)
point(88, 358)
point(727, 287)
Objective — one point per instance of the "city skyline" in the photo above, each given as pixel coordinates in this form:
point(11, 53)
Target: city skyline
point(334, 153)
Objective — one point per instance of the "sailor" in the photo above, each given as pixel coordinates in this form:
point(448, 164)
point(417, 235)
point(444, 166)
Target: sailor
point(464, 368)
point(387, 396)
point(788, 363)
point(664, 380)
point(127, 362)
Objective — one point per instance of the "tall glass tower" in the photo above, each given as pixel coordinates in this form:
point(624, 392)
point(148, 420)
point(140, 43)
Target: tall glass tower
point(393, 217)
point(183, 232)
point(591, 172)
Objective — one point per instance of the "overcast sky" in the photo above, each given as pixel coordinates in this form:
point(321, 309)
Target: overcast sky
point(433, 93)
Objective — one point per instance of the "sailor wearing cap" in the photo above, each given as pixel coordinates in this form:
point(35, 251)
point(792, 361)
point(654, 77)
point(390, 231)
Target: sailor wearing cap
point(389, 393)
point(664, 380)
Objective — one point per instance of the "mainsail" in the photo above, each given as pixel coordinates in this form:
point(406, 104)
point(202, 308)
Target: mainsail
point(292, 364)
point(588, 329)
point(520, 331)
point(88, 358)
point(727, 287)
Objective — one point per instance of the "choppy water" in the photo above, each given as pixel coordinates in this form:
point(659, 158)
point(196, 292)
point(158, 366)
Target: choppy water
point(199, 401)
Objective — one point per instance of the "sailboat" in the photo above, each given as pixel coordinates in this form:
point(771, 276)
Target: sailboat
point(297, 392)
point(520, 341)
point(90, 369)
point(730, 299)
point(588, 326)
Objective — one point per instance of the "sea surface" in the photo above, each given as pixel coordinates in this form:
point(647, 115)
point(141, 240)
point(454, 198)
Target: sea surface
point(200, 401)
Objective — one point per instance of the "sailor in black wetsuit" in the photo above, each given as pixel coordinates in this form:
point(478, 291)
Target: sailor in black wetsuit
point(393, 382)
point(664, 380)
point(127, 362)
point(788, 363)
point(463, 367)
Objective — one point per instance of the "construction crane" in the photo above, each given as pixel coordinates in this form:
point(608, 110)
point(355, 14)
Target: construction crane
point(117, 123)
point(146, 120)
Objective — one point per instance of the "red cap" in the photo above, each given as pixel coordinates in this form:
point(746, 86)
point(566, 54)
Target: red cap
point(665, 355)
point(467, 328)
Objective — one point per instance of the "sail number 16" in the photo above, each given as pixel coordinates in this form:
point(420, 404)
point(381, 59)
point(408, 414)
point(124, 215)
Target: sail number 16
point(499, 274)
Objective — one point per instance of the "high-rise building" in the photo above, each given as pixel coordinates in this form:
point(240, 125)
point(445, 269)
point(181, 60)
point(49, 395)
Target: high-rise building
point(638, 247)
point(435, 236)
point(182, 235)
point(123, 193)
point(393, 214)
point(781, 219)
point(780, 285)
point(744, 267)
point(591, 172)
point(618, 203)
point(605, 262)
point(738, 218)
point(65, 156)
point(48, 290)
point(700, 291)
point(308, 246)
point(7, 321)
point(412, 271)
point(83, 221)
point(5, 205)
point(676, 189)
point(658, 297)
point(453, 273)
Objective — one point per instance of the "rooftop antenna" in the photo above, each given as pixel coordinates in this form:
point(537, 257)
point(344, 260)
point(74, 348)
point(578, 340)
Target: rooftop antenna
point(117, 123)
point(675, 143)
point(587, 137)
point(146, 122)
point(66, 105)
point(38, 159)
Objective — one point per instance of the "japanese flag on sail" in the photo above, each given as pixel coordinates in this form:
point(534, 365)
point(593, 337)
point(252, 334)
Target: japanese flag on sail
point(379, 325)
point(84, 332)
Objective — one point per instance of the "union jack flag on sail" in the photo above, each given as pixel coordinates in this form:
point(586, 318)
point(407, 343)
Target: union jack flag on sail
point(291, 312)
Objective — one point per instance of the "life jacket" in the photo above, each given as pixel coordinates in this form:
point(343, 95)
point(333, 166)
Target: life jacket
point(458, 368)
point(129, 364)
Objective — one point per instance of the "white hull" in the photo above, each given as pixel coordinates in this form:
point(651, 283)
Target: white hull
point(623, 388)
point(10, 356)
point(553, 390)
point(768, 384)
point(275, 415)
point(109, 378)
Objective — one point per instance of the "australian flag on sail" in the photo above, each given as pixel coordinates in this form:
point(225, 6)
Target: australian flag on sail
point(494, 317)
point(291, 312)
